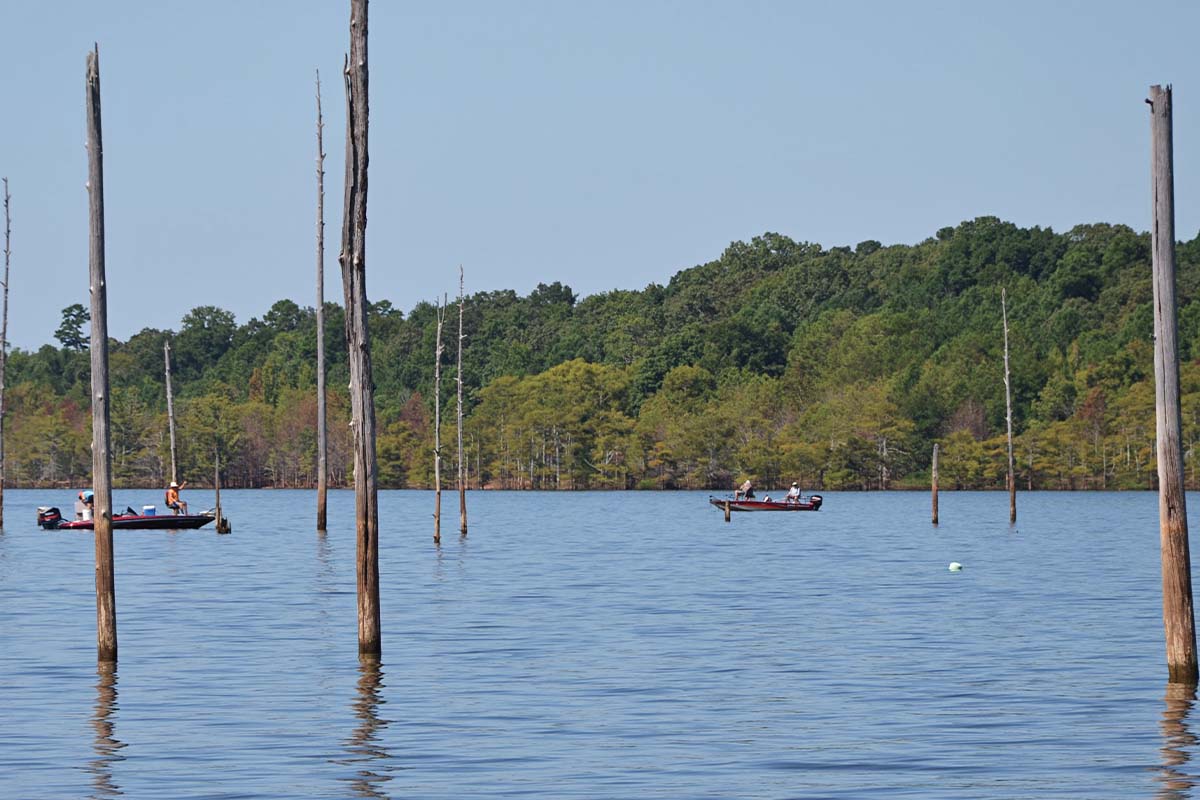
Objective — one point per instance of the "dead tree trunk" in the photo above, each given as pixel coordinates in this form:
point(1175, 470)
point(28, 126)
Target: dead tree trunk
point(4, 342)
point(223, 525)
point(106, 591)
point(437, 425)
point(1178, 616)
point(170, 408)
point(353, 259)
point(1012, 473)
point(462, 485)
point(322, 436)
point(934, 482)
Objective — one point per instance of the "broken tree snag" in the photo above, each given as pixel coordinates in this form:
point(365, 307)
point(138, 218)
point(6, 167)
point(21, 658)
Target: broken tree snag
point(462, 477)
point(4, 340)
point(106, 592)
point(1178, 617)
point(1012, 475)
point(437, 424)
point(322, 435)
point(934, 481)
point(353, 259)
point(170, 407)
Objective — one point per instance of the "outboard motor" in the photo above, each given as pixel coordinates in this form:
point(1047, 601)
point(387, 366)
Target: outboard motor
point(48, 517)
point(816, 501)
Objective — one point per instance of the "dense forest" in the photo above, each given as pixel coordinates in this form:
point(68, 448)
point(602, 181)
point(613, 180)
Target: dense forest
point(780, 360)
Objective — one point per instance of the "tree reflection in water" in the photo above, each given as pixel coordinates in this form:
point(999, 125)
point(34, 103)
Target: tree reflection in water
point(1178, 743)
point(366, 754)
point(106, 745)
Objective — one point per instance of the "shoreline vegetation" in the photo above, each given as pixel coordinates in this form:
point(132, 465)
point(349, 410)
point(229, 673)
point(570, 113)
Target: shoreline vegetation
point(781, 360)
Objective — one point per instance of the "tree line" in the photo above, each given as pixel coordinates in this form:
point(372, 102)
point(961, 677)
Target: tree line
point(780, 360)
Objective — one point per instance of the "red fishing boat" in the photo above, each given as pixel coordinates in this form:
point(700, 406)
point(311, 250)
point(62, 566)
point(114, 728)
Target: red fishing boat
point(51, 519)
point(810, 503)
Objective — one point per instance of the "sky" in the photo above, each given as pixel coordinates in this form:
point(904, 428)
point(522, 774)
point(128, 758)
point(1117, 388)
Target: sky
point(606, 145)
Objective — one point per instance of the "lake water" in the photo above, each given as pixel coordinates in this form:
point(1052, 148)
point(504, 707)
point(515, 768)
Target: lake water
point(601, 645)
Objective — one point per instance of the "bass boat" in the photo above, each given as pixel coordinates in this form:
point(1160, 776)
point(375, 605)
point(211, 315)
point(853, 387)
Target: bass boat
point(51, 519)
point(810, 503)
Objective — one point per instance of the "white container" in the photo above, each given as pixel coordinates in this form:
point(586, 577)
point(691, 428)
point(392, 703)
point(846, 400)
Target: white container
point(149, 511)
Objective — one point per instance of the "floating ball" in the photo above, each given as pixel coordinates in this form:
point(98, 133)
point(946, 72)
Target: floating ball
point(955, 566)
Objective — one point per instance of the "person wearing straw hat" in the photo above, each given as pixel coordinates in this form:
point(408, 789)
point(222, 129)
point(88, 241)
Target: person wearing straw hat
point(172, 498)
point(793, 495)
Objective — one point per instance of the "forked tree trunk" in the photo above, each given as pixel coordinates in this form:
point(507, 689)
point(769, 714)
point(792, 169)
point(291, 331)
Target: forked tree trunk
point(1179, 619)
point(353, 259)
point(322, 436)
point(106, 592)
point(462, 485)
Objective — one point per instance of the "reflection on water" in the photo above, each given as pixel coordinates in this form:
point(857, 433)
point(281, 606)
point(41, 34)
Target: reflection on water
point(1178, 742)
point(106, 745)
point(363, 747)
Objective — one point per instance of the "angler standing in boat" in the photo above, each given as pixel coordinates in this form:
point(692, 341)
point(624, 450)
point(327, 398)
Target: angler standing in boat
point(172, 498)
point(793, 495)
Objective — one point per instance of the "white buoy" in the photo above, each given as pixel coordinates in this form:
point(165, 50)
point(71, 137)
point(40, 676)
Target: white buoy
point(955, 566)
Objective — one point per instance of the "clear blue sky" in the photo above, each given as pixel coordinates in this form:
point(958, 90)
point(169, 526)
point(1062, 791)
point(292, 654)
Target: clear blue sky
point(607, 145)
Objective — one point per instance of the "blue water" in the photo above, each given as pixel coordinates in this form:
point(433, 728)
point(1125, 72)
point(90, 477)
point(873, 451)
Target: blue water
point(601, 645)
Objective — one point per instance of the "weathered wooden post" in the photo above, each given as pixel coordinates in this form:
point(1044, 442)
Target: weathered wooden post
point(106, 590)
point(1012, 475)
point(437, 425)
point(170, 408)
point(727, 511)
point(322, 436)
point(1178, 616)
point(934, 481)
point(462, 478)
point(4, 341)
point(353, 260)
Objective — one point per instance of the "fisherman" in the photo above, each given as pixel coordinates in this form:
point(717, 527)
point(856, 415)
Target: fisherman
point(85, 504)
point(745, 491)
point(793, 495)
point(172, 498)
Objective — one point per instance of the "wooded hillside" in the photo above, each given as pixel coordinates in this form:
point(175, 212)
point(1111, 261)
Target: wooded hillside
point(780, 360)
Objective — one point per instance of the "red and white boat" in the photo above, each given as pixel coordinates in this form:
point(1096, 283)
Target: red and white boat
point(51, 519)
point(810, 503)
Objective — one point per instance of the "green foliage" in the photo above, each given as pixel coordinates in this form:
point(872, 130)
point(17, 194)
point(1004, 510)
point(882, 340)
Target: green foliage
point(779, 360)
point(70, 333)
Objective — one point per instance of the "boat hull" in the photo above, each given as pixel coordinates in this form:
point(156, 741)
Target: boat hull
point(810, 503)
point(50, 519)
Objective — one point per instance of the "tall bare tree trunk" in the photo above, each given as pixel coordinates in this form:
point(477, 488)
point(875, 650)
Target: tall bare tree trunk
point(462, 485)
point(1179, 619)
point(462, 477)
point(4, 342)
point(1012, 473)
point(170, 408)
point(437, 425)
point(106, 589)
point(322, 435)
point(353, 261)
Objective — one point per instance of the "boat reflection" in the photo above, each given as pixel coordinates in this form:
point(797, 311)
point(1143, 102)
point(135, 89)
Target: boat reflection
point(366, 754)
point(106, 746)
point(1178, 743)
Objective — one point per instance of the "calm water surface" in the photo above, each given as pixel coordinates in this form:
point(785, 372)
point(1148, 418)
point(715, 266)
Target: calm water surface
point(601, 645)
